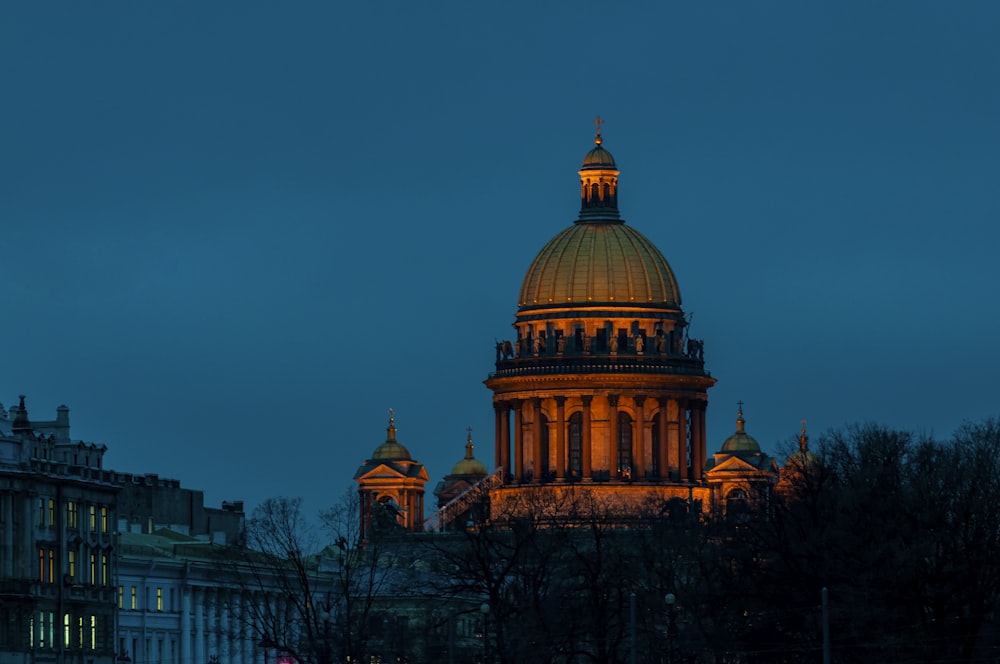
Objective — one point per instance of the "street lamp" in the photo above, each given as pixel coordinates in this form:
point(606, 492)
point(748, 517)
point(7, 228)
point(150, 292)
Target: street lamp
point(484, 609)
point(671, 600)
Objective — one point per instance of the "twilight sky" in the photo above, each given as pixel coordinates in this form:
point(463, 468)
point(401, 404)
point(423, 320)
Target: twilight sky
point(235, 233)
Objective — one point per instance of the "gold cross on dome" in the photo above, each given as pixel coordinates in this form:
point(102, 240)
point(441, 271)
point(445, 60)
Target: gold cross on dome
point(598, 122)
point(468, 431)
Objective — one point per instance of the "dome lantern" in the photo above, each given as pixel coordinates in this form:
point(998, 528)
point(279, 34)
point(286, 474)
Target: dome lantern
point(598, 183)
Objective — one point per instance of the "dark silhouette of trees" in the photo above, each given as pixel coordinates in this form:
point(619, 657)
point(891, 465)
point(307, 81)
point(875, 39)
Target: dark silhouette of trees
point(316, 583)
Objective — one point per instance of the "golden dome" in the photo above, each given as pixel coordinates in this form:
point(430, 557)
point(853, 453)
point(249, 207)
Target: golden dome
point(598, 157)
point(469, 465)
point(593, 263)
point(391, 449)
point(741, 442)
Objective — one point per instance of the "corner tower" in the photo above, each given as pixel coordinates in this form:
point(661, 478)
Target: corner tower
point(391, 486)
point(601, 384)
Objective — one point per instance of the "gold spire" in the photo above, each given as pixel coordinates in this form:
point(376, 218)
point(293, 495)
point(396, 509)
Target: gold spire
point(740, 422)
point(392, 426)
point(468, 444)
point(598, 122)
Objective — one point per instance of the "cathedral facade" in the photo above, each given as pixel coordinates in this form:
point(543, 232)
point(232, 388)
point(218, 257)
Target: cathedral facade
point(602, 386)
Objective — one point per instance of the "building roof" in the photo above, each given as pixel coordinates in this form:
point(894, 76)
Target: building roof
point(470, 465)
point(599, 260)
point(741, 442)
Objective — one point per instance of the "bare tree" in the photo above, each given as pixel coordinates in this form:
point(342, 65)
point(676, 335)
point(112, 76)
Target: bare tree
point(314, 583)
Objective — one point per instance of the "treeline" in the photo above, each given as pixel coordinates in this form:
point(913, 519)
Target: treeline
point(902, 530)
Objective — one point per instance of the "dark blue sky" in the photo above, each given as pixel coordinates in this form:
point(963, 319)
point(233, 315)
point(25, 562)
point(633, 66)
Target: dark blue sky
point(234, 234)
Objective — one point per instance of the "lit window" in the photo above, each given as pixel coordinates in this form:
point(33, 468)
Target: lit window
point(93, 518)
point(134, 601)
point(159, 599)
point(93, 569)
point(52, 512)
point(41, 565)
point(104, 569)
point(52, 565)
point(67, 640)
point(104, 519)
point(79, 632)
point(121, 597)
point(71, 516)
point(93, 632)
point(71, 560)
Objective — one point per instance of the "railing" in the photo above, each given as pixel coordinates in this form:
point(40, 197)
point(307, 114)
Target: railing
point(527, 366)
point(462, 502)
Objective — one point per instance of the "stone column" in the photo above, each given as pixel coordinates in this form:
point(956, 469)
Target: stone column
point(561, 438)
point(613, 432)
point(698, 441)
point(587, 465)
point(682, 441)
point(663, 461)
point(519, 441)
point(639, 440)
point(536, 438)
point(185, 632)
point(505, 438)
point(199, 625)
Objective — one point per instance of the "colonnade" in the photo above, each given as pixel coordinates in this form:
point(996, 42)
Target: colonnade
point(676, 428)
point(216, 625)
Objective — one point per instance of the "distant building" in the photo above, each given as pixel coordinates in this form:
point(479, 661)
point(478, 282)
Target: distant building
point(391, 485)
point(179, 603)
point(740, 475)
point(57, 519)
point(63, 518)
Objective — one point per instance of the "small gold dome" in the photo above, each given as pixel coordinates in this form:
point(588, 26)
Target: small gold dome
point(598, 158)
point(741, 442)
point(391, 449)
point(469, 466)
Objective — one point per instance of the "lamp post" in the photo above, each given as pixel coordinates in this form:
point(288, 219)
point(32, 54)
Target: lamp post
point(484, 609)
point(671, 600)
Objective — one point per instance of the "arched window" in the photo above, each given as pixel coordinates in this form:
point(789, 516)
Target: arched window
point(624, 446)
point(576, 445)
point(737, 504)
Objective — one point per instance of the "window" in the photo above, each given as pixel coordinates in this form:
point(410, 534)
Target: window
point(104, 519)
point(121, 597)
point(159, 599)
point(47, 565)
point(576, 445)
point(71, 564)
point(71, 515)
point(134, 601)
point(41, 511)
point(624, 446)
point(67, 638)
point(79, 633)
point(51, 513)
point(93, 569)
point(93, 518)
point(104, 569)
point(93, 632)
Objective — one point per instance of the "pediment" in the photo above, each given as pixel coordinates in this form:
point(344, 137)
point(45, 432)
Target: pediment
point(734, 465)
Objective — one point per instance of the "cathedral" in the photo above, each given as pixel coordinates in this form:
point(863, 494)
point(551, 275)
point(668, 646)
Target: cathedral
point(601, 388)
